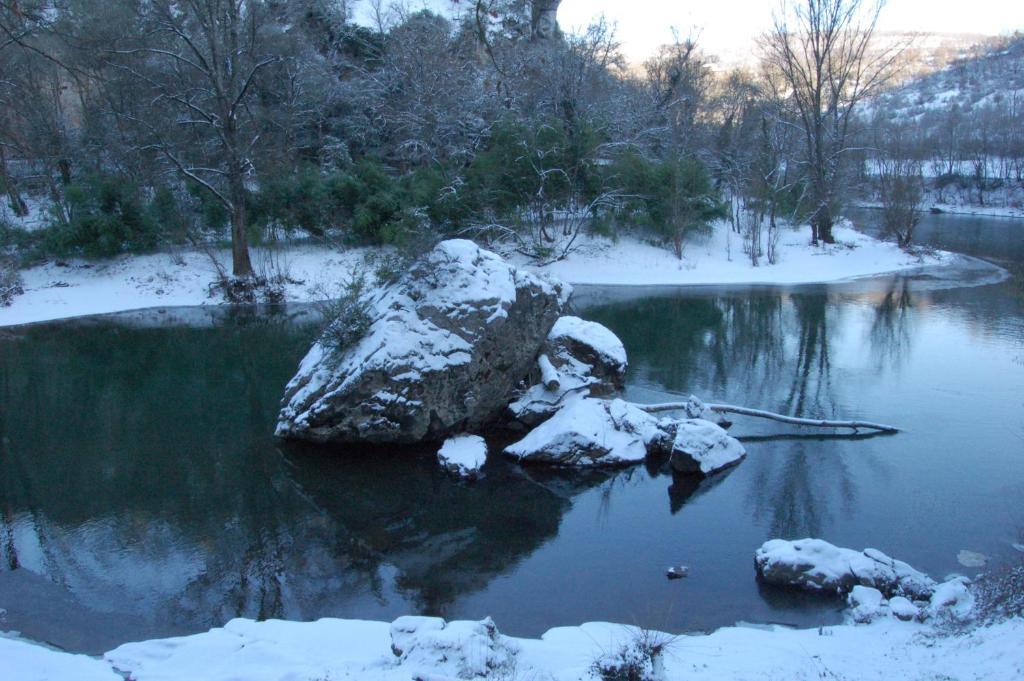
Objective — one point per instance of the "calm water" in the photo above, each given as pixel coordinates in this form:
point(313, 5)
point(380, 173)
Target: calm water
point(142, 495)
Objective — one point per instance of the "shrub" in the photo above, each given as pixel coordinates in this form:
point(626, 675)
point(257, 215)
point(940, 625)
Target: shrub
point(10, 283)
point(106, 216)
point(999, 592)
point(347, 317)
point(636, 660)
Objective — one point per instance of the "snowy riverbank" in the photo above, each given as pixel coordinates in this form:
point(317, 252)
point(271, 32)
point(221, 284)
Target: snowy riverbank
point(184, 278)
point(354, 649)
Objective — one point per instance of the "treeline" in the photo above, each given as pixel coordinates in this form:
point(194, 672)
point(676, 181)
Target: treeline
point(147, 122)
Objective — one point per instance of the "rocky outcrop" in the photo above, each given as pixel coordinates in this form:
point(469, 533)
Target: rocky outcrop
point(444, 349)
point(594, 432)
point(816, 565)
point(588, 360)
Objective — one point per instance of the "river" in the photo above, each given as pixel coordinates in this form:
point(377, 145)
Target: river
point(143, 495)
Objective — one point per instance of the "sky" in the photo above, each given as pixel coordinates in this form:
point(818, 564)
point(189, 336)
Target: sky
point(729, 26)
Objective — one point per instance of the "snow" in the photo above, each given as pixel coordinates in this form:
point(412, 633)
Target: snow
point(720, 260)
point(431, 648)
point(463, 455)
point(27, 661)
point(183, 278)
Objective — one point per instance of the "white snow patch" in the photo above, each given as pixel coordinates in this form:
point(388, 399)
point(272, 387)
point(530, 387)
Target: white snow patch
point(463, 455)
point(27, 661)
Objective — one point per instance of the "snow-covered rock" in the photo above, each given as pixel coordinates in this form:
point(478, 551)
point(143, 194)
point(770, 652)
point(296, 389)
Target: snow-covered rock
point(816, 565)
point(952, 599)
point(702, 447)
point(463, 455)
point(433, 648)
point(902, 609)
point(865, 603)
point(589, 359)
point(591, 432)
point(445, 348)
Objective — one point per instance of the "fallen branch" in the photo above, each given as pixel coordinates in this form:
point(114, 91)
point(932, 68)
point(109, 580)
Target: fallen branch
point(759, 413)
point(548, 373)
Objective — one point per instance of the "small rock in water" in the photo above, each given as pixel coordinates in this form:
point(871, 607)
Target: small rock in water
point(677, 572)
point(971, 558)
point(1018, 547)
point(463, 455)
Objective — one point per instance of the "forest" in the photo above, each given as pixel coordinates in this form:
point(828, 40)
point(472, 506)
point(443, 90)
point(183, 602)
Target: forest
point(131, 126)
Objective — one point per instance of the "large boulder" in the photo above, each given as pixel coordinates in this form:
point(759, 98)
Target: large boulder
point(816, 565)
point(587, 358)
point(444, 349)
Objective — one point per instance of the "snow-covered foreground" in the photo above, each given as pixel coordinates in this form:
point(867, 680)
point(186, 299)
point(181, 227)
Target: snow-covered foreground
point(430, 649)
point(76, 288)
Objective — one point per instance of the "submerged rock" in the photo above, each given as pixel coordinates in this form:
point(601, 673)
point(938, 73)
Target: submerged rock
point(463, 455)
point(589, 360)
point(816, 565)
point(444, 349)
point(592, 432)
point(701, 447)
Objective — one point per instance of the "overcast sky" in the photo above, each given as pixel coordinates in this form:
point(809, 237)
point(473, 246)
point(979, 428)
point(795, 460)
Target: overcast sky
point(730, 25)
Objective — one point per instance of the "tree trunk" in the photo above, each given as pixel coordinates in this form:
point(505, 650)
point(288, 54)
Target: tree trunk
point(241, 266)
point(18, 204)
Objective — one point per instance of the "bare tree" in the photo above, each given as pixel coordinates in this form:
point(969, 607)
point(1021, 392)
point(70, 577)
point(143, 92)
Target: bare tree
point(202, 59)
point(818, 52)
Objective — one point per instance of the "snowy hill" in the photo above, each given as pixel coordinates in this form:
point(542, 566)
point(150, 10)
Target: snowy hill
point(988, 76)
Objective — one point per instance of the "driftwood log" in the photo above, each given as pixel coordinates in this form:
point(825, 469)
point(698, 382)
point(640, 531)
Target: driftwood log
point(760, 413)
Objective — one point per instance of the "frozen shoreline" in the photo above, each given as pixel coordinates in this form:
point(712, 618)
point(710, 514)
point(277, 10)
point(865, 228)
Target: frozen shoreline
point(276, 650)
point(177, 279)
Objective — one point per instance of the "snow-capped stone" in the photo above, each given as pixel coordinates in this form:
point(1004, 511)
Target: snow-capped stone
point(590, 360)
point(463, 455)
point(865, 603)
point(952, 599)
point(702, 447)
point(902, 609)
point(438, 649)
point(816, 565)
point(591, 432)
point(445, 347)
point(593, 344)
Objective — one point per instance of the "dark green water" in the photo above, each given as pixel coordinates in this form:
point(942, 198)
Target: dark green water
point(142, 495)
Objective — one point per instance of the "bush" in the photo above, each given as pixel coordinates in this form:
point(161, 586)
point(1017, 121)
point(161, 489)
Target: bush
point(347, 317)
point(10, 283)
point(106, 216)
point(999, 592)
point(674, 199)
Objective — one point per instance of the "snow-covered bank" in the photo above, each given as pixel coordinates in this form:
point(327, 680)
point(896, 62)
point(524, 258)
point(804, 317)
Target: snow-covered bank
point(428, 648)
point(720, 260)
point(77, 288)
point(960, 209)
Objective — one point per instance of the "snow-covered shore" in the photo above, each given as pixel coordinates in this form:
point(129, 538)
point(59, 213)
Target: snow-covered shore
point(353, 649)
point(184, 278)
